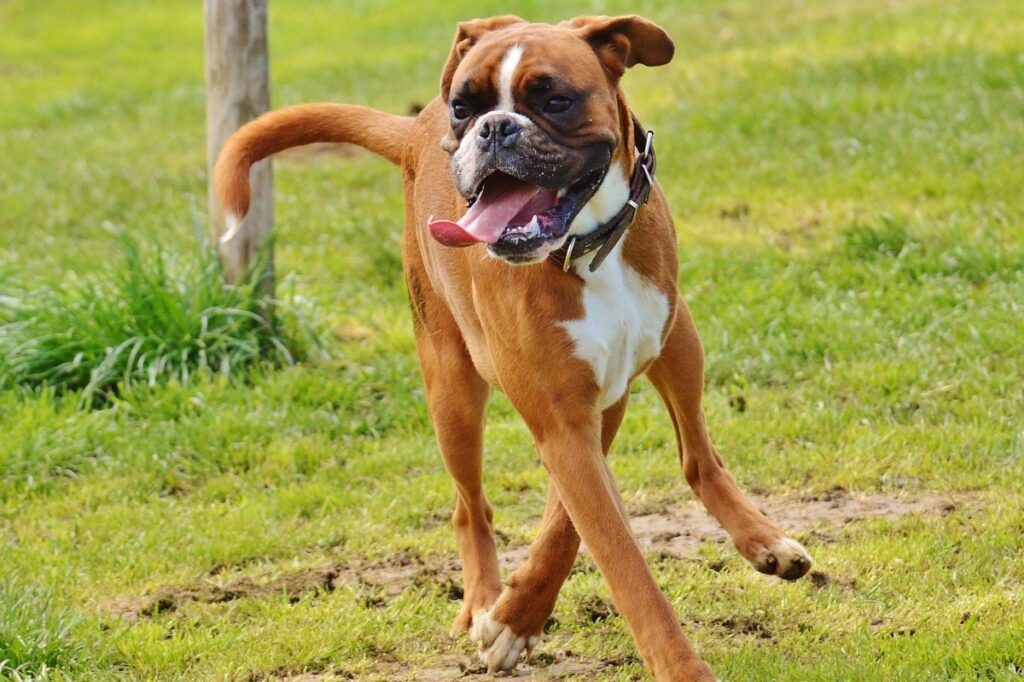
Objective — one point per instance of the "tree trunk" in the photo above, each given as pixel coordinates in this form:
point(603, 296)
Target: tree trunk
point(237, 91)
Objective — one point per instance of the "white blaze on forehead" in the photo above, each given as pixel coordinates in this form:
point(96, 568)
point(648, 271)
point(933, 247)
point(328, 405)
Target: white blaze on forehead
point(506, 71)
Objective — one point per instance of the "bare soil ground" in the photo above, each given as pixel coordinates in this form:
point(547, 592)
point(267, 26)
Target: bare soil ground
point(674, 530)
point(680, 529)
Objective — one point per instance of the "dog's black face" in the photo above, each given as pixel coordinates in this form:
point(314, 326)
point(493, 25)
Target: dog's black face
point(493, 132)
point(534, 126)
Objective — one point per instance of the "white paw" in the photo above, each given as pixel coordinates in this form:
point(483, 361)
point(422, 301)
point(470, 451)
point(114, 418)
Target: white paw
point(786, 558)
point(499, 647)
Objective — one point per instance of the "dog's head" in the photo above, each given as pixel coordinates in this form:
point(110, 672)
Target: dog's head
point(536, 118)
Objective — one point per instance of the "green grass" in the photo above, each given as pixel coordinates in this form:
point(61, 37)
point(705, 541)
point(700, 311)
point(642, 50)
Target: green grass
point(143, 322)
point(36, 635)
point(846, 182)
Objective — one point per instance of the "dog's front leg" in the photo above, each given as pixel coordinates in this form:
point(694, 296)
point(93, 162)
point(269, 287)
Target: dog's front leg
point(568, 436)
point(457, 398)
point(572, 454)
point(517, 619)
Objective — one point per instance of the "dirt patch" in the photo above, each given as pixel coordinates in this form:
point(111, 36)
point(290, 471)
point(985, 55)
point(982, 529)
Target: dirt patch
point(376, 582)
point(594, 609)
point(513, 557)
point(674, 530)
point(311, 676)
point(541, 666)
point(459, 666)
point(680, 529)
point(748, 625)
point(168, 599)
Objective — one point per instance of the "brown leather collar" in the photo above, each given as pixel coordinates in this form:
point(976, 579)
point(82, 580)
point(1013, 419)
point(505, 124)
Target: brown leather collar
point(605, 236)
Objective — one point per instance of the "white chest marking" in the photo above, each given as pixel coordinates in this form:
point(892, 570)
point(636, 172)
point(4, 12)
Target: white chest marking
point(509, 64)
point(624, 314)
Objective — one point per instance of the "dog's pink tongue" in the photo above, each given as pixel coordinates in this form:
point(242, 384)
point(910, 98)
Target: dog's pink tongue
point(502, 198)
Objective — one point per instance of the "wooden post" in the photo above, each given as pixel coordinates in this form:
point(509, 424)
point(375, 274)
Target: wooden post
point(237, 91)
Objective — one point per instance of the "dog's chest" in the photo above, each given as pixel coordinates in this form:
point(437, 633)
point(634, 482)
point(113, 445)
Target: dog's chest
point(621, 328)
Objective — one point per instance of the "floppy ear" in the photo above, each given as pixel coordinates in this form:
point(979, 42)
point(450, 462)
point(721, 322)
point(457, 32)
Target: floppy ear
point(466, 36)
point(621, 42)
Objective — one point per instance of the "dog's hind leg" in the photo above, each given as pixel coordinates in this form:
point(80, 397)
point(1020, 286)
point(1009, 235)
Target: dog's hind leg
point(517, 619)
point(678, 374)
point(456, 398)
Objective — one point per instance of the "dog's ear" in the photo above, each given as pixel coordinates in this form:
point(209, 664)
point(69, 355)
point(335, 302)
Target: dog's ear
point(622, 42)
point(466, 36)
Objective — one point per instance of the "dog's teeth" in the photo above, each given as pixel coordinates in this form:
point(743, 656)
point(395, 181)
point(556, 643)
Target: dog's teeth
point(561, 192)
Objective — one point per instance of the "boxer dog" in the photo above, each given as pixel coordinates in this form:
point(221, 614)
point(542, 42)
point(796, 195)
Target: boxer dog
point(564, 292)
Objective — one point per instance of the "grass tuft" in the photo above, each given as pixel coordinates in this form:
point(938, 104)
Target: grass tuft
point(36, 636)
point(889, 238)
point(155, 318)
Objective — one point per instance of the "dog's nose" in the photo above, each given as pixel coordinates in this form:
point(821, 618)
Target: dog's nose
point(499, 130)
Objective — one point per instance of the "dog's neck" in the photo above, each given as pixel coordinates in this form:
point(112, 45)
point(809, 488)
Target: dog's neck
point(600, 228)
point(602, 207)
point(606, 202)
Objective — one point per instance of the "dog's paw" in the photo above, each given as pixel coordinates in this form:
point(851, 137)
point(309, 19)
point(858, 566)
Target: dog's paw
point(786, 559)
point(476, 600)
point(500, 648)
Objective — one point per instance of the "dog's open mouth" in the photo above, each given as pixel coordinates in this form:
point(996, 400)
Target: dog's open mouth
point(516, 216)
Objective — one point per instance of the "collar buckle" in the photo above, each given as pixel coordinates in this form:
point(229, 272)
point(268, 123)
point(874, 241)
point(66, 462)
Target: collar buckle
point(648, 144)
point(568, 254)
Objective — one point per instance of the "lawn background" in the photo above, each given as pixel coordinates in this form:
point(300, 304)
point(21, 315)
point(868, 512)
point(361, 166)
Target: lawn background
point(846, 180)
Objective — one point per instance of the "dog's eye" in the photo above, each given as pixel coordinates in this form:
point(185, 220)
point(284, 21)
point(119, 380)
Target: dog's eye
point(460, 110)
point(557, 104)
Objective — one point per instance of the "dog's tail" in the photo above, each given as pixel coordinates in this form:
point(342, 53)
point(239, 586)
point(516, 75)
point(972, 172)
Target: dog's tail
point(379, 132)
